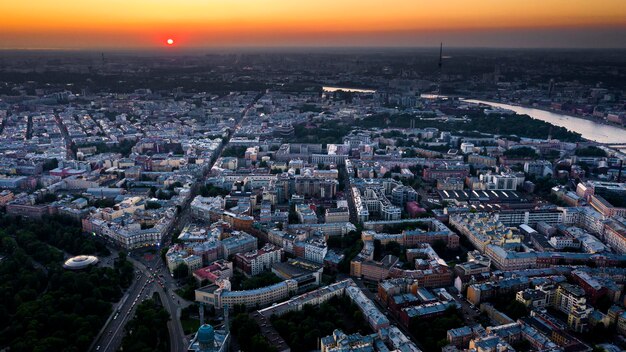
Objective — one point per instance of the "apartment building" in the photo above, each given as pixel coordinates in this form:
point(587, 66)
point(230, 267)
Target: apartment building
point(256, 261)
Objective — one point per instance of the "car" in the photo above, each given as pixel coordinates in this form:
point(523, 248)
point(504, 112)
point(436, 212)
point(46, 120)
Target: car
point(98, 348)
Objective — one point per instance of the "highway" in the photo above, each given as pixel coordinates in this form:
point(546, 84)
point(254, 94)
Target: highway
point(148, 281)
point(110, 336)
point(164, 285)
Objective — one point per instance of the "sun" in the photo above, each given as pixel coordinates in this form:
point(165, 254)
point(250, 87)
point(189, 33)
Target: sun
point(170, 41)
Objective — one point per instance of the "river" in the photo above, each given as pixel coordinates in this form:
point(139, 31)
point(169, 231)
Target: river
point(591, 130)
point(345, 89)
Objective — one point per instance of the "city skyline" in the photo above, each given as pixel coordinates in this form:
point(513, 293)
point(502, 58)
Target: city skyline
point(330, 175)
point(277, 23)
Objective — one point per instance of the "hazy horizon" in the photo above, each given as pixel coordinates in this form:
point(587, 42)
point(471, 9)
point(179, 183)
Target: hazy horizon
point(301, 49)
point(147, 24)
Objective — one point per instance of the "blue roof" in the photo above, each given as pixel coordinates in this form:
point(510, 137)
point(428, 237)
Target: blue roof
point(206, 335)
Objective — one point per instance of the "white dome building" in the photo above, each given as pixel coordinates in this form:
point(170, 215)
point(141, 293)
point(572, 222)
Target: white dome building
point(80, 262)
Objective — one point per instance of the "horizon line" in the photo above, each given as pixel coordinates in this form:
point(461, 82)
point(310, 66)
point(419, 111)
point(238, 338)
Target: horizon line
point(181, 49)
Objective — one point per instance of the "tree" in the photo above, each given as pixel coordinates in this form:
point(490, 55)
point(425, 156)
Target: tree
point(293, 215)
point(238, 152)
point(44, 304)
point(515, 310)
point(212, 191)
point(439, 246)
point(259, 343)
point(430, 332)
point(604, 303)
point(378, 249)
point(181, 271)
point(521, 152)
point(163, 252)
point(302, 329)
point(266, 278)
point(591, 151)
point(394, 248)
point(163, 195)
point(174, 185)
point(104, 203)
point(153, 205)
point(248, 334)
point(50, 164)
point(47, 198)
point(321, 210)
point(147, 331)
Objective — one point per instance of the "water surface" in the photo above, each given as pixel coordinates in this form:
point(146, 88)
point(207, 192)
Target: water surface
point(592, 130)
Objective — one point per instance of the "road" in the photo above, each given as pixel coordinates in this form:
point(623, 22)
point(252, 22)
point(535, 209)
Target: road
point(150, 280)
point(110, 336)
point(165, 286)
point(153, 276)
point(172, 303)
point(470, 315)
point(348, 194)
point(66, 136)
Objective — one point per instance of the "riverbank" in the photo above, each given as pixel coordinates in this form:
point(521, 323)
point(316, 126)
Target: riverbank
point(331, 89)
point(566, 113)
point(589, 129)
point(525, 106)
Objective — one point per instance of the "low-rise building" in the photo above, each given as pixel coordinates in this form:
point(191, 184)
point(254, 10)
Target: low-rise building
point(532, 298)
point(333, 215)
point(218, 270)
point(256, 261)
point(220, 295)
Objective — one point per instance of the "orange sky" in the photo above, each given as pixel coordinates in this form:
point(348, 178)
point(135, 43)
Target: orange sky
point(75, 24)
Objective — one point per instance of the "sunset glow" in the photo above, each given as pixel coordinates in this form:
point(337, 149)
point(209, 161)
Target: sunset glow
point(118, 23)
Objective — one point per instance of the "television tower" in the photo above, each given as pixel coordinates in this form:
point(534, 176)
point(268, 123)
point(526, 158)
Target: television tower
point(440, 64)
point(440, 55)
